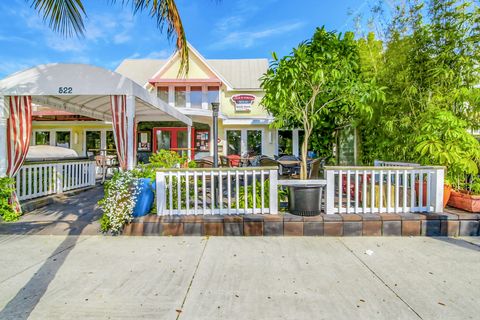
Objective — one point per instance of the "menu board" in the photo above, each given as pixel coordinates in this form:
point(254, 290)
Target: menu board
point(202, 141)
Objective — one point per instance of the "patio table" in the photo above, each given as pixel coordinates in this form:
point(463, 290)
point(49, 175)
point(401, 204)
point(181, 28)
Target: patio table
point(289, 162)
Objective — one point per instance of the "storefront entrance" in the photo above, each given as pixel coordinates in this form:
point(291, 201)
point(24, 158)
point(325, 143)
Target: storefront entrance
point(174, 139)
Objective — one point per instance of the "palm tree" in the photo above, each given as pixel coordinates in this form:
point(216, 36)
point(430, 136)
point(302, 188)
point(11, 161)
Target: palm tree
point(66, 17)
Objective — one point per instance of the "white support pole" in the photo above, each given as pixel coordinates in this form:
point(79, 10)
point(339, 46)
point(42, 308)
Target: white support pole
point(3, 136)
point(295, 143)
point(330, 194)
point(131, 161)
point(437, 192)
point(189, 142)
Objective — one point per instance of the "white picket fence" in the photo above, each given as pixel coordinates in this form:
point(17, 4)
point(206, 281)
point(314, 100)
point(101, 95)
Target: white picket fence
point(393, 189)
point(41, 179)
point(217, 191)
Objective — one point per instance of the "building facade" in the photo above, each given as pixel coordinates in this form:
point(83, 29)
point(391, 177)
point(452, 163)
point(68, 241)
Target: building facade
point(244, 124)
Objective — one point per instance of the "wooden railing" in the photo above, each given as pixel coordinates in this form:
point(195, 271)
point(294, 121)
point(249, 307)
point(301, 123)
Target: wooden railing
point(41, 179)
point(393, 189)
point(217, 191)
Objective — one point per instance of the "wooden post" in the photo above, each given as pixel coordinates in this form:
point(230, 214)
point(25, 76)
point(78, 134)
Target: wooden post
point(161, 193)
point(330, 194)
point(273, 199)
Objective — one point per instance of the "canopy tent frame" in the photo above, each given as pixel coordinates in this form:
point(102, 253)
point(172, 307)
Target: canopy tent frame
point(85, 90)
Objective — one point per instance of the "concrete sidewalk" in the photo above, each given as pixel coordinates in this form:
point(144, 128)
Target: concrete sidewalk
point(95, 277)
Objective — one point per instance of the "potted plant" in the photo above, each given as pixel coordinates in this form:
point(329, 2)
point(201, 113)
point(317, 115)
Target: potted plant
point(319, 80)
point(444, 140)
point(468, 198)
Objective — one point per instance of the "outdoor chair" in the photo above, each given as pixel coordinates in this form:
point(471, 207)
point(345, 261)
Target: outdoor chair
point(269, 162)
point(105, 163)
point(314, 170)
point(206, 162)
point(235, 160)
point(224, 162)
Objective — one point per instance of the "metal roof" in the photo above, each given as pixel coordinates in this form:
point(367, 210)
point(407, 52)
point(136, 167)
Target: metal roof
point(85, 90)
point(242, 74)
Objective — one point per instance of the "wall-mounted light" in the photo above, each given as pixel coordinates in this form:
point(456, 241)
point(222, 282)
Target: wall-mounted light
point(270, 137)
point(75, 138)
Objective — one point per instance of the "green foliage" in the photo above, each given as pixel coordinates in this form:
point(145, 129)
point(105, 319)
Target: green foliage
point(444, 140)
point(7, 209)
point(167, 159)
point(429, 64)
point(282, 195)
point(318, 83)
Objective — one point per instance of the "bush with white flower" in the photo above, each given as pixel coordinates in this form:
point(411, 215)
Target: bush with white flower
point(119, 200)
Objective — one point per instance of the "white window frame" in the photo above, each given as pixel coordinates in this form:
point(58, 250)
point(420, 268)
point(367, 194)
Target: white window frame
point(103, 139)
point(53, 136)
point(244, 140)
point(188, 105)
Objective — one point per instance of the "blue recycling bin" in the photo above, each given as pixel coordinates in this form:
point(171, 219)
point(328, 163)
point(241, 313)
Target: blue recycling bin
point(145, 197)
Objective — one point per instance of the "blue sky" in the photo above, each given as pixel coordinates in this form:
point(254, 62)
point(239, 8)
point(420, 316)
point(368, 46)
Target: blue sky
point(225, 29)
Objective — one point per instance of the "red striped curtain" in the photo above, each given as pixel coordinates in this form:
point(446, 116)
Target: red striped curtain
point(19, 131)
point(119, 122)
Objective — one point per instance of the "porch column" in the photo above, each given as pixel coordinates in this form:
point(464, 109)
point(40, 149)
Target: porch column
point(189, 142)
point(3, 137)
point(131, 159)
point(295, 142)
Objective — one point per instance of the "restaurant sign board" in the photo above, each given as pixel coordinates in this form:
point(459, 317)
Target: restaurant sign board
point(243, 102)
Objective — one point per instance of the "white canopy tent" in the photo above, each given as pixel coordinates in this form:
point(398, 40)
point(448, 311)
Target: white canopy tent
point(85, 90)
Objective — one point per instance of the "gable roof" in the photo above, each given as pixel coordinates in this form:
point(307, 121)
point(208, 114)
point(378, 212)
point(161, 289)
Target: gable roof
point(139, 70)
point(241, 74)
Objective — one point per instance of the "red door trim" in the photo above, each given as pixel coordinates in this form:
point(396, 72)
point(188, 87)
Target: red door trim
point(173, 138)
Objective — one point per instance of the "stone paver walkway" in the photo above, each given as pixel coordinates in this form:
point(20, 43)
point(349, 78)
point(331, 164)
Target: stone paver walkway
point(73, 215)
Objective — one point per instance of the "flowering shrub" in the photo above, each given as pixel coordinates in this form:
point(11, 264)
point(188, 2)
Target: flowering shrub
point(119, 200)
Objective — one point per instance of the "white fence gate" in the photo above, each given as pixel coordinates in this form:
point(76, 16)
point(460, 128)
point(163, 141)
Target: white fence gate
point(36, 180)
point(217, 191)
point(395, 189)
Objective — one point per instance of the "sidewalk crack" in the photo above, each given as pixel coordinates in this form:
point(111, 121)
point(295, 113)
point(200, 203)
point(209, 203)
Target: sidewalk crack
point(381, 280)
point(191, 280)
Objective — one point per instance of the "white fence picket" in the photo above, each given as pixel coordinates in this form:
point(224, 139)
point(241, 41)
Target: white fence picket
point(220, 191)
point(37, 180)
point(384, 189)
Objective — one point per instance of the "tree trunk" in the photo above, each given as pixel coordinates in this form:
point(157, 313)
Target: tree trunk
point(303, 166)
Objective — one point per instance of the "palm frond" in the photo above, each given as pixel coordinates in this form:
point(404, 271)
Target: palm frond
point(63, 16)
point(165, 13)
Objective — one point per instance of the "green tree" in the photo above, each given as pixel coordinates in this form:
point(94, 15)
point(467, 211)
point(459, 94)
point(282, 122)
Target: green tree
point(67, 18)
point(320, 77)
point(430, 67)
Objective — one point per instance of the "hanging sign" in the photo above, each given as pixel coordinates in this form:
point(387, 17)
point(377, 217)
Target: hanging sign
point(243, 102)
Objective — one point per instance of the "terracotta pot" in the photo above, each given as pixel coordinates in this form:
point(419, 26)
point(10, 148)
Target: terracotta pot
point(464, 201)
point(417, 192)
point(447, 191)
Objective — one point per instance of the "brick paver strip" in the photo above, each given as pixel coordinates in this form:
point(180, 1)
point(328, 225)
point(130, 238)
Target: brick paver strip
point(411, 228)
point(292, 228)
point(372, 228)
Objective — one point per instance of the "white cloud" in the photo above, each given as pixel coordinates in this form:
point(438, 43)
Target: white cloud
point(162, 54)
point(246, 39)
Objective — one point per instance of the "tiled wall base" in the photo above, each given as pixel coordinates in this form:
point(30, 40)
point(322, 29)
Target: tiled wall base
point(434, 224)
